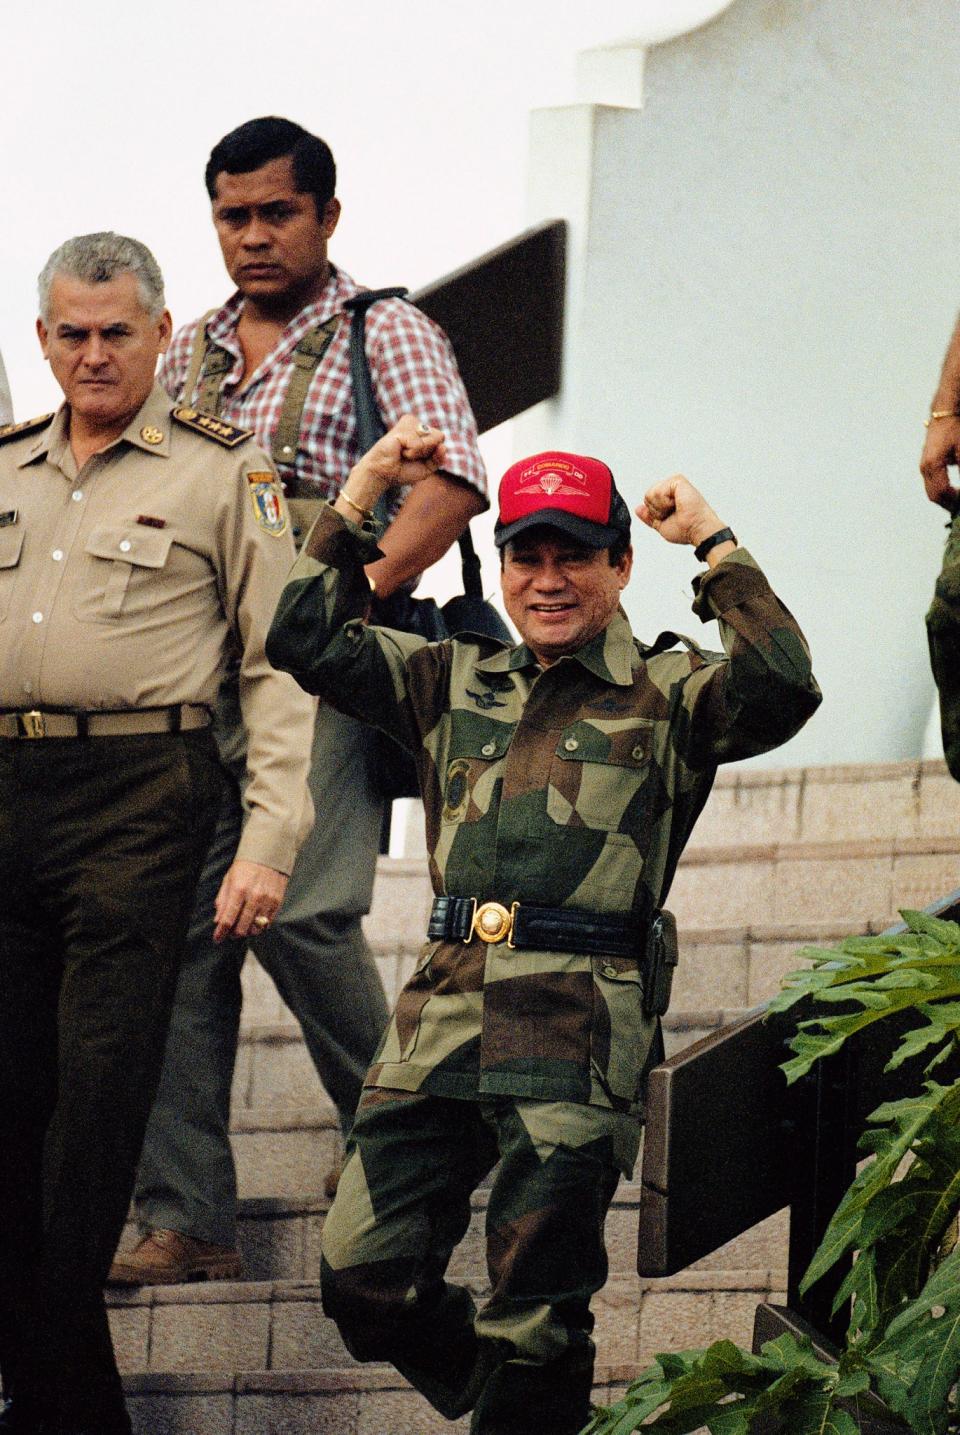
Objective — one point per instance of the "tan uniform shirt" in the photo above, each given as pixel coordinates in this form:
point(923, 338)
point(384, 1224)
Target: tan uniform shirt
point(129, 584)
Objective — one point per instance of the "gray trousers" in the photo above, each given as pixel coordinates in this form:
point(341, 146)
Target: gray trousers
point(317, 955)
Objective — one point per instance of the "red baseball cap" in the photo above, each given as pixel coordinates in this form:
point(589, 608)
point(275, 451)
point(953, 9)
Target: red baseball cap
point(562, 490)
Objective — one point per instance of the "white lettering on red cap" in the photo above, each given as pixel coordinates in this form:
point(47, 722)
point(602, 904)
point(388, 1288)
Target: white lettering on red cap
point(550, 478)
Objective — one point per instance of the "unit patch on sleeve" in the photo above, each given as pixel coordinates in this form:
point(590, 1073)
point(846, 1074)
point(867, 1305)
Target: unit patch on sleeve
point(267, 503)
point(212, 427)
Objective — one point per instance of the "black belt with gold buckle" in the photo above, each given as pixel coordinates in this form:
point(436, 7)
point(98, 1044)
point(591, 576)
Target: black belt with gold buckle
point(545, 929)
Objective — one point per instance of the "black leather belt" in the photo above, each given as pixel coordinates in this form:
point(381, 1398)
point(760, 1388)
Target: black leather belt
point(51, 722)
point(547, 929)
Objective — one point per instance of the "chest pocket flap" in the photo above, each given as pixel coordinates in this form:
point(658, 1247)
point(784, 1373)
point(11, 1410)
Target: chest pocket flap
point(11, 545)
point(130, 548)
point(131, 543)
point(476, 748)
point(588, 742)
point(597, 773)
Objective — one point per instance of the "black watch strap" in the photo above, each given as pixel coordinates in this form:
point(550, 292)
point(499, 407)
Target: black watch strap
point(722, 535)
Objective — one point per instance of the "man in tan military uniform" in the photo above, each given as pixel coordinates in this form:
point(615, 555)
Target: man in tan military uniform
point(141, 546)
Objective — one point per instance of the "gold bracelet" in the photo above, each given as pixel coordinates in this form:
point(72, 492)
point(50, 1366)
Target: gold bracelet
point(940, 414)
point(363, 512)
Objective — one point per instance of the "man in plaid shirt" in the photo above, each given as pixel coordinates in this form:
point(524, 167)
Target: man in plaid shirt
point(275, 359)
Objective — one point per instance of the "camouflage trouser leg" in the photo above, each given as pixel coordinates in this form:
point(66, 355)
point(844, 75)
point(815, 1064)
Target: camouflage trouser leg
point(404, 1203)
point(943, 635)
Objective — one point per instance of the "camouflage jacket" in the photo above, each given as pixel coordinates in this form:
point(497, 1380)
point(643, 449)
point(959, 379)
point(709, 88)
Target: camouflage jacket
point(573, 786)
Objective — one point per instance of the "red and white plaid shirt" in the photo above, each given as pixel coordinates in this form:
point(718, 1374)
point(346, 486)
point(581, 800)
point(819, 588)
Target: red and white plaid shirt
point(412, 366)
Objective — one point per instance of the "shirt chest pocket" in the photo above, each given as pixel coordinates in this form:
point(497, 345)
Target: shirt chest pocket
point(598, 776)
point(11, 546)
point(120, 560)
point(471, 776)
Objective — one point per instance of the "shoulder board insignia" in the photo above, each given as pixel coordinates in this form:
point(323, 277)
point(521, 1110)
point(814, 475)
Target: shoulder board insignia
point(8, 431)
point(212, 427)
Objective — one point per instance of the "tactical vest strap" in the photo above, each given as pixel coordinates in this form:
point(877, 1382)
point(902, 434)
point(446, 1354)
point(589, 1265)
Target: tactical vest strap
point(209, 365)
point(306, 357)
point(198, 354)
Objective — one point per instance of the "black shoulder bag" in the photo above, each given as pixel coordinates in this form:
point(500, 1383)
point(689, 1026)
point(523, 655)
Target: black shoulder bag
point(469, 612)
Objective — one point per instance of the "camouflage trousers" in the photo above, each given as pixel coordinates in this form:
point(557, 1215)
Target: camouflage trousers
point(525, 1359)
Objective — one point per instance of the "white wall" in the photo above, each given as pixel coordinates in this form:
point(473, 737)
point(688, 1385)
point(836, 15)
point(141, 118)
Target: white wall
point(768, 265)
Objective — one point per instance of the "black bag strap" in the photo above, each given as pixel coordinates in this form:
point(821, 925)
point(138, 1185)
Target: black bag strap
point(370, 424)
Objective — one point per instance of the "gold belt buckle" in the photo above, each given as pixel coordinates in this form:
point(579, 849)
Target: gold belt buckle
point(31, 724)
point(492, 922)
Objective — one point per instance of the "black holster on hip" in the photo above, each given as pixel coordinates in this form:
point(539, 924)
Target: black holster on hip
point(658, 962)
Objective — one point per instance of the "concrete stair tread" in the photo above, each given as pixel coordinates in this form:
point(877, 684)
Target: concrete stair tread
point(266, 1292)
point(367, 1400)
point(279, 1240)
point(279, 1326)
point(350, 1377)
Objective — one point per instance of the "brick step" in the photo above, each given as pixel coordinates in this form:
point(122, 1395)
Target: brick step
point(228, 1326)
point(279, 1239)
point(284, 1152)
point(830, 804)
point(796, 883)
point(363, 1400)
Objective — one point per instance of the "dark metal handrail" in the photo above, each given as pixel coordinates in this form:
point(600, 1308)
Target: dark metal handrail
point(728, 1143)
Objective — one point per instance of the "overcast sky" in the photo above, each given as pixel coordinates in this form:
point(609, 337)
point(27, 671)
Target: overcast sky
point(109, 110)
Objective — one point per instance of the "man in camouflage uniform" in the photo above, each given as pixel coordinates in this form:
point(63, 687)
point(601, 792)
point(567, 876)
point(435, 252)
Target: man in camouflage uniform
point(561, 779)
point(941, 450)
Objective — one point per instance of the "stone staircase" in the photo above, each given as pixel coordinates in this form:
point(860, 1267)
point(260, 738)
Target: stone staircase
point(780, 859)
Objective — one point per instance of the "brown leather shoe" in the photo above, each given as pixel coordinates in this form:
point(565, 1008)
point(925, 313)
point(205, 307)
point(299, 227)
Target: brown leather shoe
point(167, 1258)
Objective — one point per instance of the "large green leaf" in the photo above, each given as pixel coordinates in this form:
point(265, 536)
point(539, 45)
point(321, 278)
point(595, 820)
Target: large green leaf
point(943, 1023)
point(725, 1389)
point(821, 1036)
point(878, 977)
point(918, 1362)
point(895, 1126)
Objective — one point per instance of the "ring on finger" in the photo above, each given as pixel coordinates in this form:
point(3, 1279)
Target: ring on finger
point(261, 921)
point(423, 429)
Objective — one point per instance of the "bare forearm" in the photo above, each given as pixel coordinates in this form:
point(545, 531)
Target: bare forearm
point(435, 511)
point(433, 516)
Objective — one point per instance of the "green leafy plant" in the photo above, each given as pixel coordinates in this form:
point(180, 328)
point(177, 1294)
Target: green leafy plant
point(899, 1216)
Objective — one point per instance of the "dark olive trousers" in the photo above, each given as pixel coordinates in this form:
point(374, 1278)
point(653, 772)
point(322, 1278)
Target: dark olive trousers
point(524, 1361)
point(101, 842)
